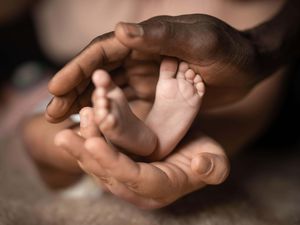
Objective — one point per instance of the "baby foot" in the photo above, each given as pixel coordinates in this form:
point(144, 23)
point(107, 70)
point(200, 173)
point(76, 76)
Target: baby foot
point(116, 120)
point(178, 98)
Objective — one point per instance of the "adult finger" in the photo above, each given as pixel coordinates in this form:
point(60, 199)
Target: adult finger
point(103, 51)
point(61, 107)
point(69, 84)
point(74, 145)
point(193, 40)
point(208, 161)
point(142, 178)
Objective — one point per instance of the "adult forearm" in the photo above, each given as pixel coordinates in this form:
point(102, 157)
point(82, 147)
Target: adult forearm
point(276, 41)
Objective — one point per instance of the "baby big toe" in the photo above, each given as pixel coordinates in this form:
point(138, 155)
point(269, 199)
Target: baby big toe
point(183, 67)
point(101, 78)
point(100, 114)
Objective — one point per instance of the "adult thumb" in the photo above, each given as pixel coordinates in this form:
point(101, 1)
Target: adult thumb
point(164, 35)
point(212, 168)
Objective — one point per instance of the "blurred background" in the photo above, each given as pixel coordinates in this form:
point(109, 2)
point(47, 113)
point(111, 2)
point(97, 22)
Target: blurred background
point(39, 37)
point(24, 67)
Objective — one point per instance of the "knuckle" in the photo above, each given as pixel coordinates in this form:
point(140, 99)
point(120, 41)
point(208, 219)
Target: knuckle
point(167, 29)
point(210, 39)
point(166, 32)
point(159, 28)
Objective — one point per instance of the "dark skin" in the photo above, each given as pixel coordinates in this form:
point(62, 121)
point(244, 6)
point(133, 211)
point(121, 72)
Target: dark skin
point(229, 72)
point(135, 50)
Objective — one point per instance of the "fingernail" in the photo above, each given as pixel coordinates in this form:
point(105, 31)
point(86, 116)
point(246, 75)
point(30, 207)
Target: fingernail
point(133, 30)
point(203, 165)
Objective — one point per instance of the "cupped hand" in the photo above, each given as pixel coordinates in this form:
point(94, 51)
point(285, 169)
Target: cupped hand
point(136, 72)
point(193, 165)
point(224, 57)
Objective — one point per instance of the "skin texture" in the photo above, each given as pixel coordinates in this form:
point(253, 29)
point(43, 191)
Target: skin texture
point(147, 185)
point(178, 98)
point(116, 121)
point(229, 72)
point(230, 61)
point(208, 58)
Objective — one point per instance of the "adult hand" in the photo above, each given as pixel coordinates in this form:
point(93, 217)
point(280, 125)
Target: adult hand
point(223, 56)
point(148, 185)
point(131, 70)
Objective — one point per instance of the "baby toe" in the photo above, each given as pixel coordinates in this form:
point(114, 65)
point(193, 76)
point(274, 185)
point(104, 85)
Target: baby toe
point(101, 103)
point(101, 78)
point(99, 92)
point(190, 75)
point(198, 79)
point(100, 115)
point(168, 68)
point(200, 88)
point(183, 67)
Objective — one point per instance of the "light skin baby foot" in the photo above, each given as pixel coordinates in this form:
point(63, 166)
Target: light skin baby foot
point(116, 120)
point(178, 98)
